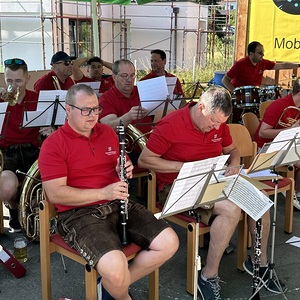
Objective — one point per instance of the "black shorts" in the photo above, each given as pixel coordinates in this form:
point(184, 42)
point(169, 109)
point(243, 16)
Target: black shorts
point(94, 230)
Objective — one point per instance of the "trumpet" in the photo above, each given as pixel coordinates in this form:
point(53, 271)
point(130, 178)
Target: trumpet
point(10, 95)
point(289, 116)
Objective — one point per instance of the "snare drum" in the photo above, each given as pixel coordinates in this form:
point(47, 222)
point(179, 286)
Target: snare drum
point(246, 96)
point(270, 92)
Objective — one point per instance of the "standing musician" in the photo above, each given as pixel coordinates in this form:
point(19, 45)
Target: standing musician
point(19, 145)
point(280, 115)
point(59, 78)
point(248, 71)
point(158, 63)
point(79, 166)
point(196, 132)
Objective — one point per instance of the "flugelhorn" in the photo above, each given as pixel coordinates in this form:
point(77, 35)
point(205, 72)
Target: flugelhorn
point(288, 118)
point(10, 95)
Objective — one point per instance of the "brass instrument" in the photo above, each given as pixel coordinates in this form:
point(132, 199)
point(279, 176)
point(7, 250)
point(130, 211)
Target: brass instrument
point(290, 121)
point(56, 83)
point(134, 137)
point(10, 95)
point(32, 194)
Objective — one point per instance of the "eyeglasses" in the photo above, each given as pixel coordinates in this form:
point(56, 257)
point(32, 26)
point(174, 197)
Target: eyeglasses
point(67, 63)
point(126, 76)
point(86, 111)
point(16, 61)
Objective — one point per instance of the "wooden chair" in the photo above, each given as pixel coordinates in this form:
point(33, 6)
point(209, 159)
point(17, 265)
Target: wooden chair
point(50, 243)
point(263, 106)
point(190, 224)
point(248, 149)
point(251, 122)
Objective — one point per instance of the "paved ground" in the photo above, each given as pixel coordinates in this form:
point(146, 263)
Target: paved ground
point(235, 285)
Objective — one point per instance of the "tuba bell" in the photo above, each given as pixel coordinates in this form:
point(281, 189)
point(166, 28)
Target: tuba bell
point(286, 120)
point(31, 195)
point(10, 95)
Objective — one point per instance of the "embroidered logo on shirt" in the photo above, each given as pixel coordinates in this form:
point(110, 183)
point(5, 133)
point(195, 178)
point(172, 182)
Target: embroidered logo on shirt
point(110, 151)
point(215, 139)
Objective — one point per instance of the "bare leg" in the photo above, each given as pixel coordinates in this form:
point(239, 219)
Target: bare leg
point(8, 188)
point(113, 266)
point(221, 231)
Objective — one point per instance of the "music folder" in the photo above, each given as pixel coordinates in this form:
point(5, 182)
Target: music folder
point(12, 264)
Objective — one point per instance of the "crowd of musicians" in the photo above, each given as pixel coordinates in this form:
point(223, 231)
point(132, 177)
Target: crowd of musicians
point(79, 161)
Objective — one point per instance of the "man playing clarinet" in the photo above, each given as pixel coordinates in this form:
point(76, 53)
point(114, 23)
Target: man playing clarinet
point(80, 168)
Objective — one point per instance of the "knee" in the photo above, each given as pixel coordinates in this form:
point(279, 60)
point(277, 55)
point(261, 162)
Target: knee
point(167, 242)
point(8, 185)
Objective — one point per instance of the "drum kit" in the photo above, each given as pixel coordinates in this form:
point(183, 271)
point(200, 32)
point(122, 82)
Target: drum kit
point(248, 98)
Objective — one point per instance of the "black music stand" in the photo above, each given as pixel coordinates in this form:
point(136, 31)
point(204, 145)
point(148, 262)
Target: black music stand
point(52, 112)
point(3, 123)
point(287, 155)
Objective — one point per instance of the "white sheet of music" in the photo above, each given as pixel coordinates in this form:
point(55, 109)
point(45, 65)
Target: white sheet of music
point(171, 83)
point(252, 201)
point(190, 182)
point(95, 85)
point(282, 139)
point(3, 108)
point(44, 112)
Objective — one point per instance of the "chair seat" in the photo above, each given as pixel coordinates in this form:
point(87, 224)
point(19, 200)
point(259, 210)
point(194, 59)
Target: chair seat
point(284, 182)
point(58, 240)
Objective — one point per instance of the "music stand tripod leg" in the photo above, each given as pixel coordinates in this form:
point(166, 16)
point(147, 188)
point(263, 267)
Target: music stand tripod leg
point(197, 258)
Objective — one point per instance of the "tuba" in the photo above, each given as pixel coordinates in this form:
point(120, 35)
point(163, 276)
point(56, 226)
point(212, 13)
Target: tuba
point(31, 195)
point(289, 121)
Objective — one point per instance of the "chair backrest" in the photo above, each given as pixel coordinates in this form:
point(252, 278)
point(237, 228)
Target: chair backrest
point(263, 106)
point(242, 140)
point(251, 122)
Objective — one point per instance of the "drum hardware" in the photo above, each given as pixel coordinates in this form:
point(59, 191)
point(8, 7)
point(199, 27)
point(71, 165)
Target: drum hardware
point(246, 96)
point(270, 92)
point(289, 120)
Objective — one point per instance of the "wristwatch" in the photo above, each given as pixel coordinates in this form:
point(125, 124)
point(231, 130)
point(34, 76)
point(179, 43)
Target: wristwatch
point(291, 6)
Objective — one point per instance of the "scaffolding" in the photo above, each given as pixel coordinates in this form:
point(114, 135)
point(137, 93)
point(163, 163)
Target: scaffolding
point(69, 26)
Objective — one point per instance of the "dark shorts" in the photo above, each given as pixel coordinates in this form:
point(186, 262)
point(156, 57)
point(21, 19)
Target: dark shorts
point(19, 157)
point(94, 230)
point(205, 213)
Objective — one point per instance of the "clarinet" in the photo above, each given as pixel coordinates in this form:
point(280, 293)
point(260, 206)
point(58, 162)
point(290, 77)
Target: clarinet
point(257, 253)
point(123, 177)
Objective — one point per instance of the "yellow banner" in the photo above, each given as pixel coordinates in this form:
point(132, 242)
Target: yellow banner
point(276, 25)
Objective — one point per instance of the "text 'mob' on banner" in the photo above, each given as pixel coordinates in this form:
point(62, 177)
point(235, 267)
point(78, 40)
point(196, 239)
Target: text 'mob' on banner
point(276, 25)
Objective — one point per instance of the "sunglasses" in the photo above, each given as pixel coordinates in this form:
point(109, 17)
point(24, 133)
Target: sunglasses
point(16, 61)
point(67, 63)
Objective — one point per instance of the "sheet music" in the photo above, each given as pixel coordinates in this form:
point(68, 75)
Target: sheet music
point(283, 138)
point(202, 166)
point(171, 83)
point(95, 85)
point(3, 108)
point(45, 108)
point(252, 201)
point(153, 89)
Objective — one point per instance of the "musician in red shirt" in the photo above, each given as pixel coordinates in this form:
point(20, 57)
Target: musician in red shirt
point(18, 145)
point(59, 78)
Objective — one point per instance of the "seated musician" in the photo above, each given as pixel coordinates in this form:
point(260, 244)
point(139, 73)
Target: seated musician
point(122, 102)
point(80, 170)
point(276, 119)
point(94, 68)
point(196, 132)
point(19, 146)
point(248, 71)
point(158, 63)
point(59, 78)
